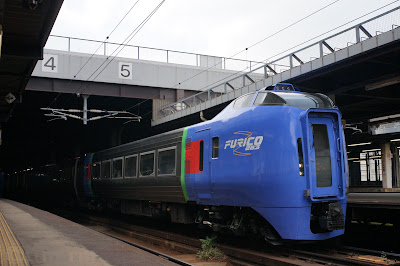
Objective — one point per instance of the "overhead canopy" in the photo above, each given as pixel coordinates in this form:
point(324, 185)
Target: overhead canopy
point(25, 25)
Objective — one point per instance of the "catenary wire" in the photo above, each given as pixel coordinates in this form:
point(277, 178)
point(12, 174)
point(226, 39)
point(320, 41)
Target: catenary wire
point(283, 29)
point(251, 46)
point(101, 44)
point(266, 60)
point(127, 40)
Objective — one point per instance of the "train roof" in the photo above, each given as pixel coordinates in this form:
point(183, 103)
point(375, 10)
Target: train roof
point(288, 97)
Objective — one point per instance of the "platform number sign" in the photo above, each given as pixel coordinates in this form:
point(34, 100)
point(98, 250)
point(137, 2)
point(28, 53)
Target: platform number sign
point(50, 63)
point(125, 70)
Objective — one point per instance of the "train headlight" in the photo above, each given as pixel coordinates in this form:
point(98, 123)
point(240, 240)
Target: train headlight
point(301, 169)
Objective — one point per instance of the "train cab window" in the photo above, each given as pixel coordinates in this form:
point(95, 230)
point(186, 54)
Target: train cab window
point(131, 166)
point(268, 98)
point(243, 101)
point(105, 170)
point(215, 147)
point(147, 164)
point(166, 161)
point(117, 168)
point(96, 170)
point(306, 100)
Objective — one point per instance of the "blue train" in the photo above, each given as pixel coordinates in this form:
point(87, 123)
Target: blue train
point(272, 163)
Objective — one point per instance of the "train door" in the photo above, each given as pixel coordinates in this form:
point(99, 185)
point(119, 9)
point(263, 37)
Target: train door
point(199, 166)
point(325, 157)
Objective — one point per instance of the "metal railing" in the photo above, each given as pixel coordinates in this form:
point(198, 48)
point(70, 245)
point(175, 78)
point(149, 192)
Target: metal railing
point(328, 45)
point(72, 44)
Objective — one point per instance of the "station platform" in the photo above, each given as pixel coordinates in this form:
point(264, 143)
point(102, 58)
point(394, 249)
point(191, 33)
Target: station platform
point(30, 236)
point(390, 200)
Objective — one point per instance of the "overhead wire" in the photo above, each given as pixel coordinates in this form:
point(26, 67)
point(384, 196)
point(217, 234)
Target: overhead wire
point(269, 58)
point(101, 44)
point(232, 57)
point(127, 40)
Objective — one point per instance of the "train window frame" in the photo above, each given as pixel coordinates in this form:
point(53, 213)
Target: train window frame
point(247, 104)
point(122, 168)
point(266, 93)
point(92, 170)
point(158, 161)
point(154, 163)
point(137, 161)
point(215, 149)
point(101, 169)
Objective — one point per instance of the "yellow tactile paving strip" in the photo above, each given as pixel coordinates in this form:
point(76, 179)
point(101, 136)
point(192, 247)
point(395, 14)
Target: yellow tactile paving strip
point(11, 252)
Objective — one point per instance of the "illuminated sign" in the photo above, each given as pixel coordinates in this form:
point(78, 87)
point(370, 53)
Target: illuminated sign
point(385, 128)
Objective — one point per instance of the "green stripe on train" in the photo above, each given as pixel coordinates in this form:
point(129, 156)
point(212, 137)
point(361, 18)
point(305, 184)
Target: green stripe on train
point(183, 156)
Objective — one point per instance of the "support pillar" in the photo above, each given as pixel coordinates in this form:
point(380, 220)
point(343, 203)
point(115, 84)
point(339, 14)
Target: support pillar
point(396, 167)
point(386, 165)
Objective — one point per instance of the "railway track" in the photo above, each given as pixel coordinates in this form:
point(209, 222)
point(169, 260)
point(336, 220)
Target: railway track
point(183, 248)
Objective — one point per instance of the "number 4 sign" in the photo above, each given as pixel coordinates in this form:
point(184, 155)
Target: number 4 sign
point(50, 63)
point(125, 70)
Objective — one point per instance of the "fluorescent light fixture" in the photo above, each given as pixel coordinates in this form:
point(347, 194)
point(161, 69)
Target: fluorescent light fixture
point(371, 150)
point(395, 140)
point(381, 84)
point(359, 144)
point(375, 157)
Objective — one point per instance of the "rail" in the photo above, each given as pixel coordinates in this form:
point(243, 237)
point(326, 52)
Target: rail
point(343, 39)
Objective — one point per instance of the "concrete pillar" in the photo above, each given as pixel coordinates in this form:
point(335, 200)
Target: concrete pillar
point(180, 94)
point(396, 167)
point(386, 165)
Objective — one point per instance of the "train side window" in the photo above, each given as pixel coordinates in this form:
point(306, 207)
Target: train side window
point(301, 160)
point(201, 159)
point(147, 164)
point(96, 170)
point(105, 170)
point(215, 147)
point(117, 168)
point(131, 166)
point(166, 161)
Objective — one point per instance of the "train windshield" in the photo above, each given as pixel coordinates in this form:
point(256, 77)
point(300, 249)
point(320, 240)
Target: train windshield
point(299, 100)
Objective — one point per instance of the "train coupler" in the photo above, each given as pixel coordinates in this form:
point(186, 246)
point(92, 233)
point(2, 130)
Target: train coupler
point(327, 217)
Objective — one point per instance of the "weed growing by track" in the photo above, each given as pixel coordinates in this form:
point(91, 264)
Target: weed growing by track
point(209, 250)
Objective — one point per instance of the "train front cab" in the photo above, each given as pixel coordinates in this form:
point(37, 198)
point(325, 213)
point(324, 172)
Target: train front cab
point(322, 157)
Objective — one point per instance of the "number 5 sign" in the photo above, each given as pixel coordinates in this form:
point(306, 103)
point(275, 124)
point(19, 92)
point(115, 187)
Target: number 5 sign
point(125, 70)
point(50, 63)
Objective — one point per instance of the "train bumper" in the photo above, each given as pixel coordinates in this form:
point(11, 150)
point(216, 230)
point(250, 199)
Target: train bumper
point(295, 223)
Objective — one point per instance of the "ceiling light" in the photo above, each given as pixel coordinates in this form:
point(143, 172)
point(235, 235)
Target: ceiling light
point(393, 140)
point(371, 150)
point(359, 144)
